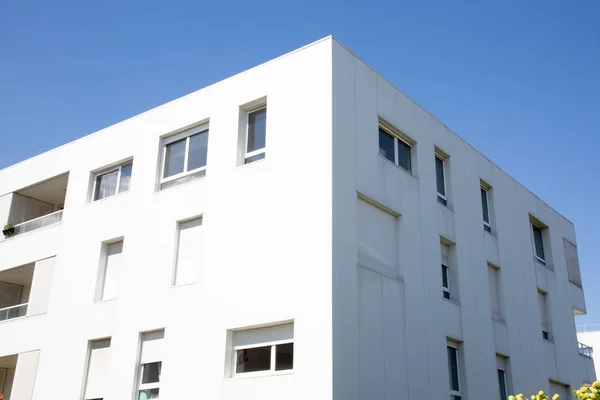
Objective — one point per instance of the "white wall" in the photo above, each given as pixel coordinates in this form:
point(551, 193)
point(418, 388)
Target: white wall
point(25, 376)
point(363, 321)
point(268, 242)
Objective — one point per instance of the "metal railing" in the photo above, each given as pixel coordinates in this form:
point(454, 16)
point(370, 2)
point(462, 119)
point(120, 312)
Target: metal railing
point(588, 328)
point(20, 310)
point(585, 350)
point(37, 223)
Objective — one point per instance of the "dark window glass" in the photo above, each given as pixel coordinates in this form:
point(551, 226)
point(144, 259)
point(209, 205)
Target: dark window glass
point(106, 184)
point(484, 205)
point(257, 129)
point(445, 281)
point(386, 145)
point(539, 243)
point(453, 368)
point(255, 359)
point(125, 177)
point(148, 394)
point(545, 335)
point(284, 356)
point(439, 176)
point(502, 384)
point(404, 156)
point(197, 151)
point(151, 372)
point(254, 158)
point(174, 158)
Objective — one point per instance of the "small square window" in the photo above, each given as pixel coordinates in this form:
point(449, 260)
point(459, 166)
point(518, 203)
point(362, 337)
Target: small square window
point(395, 149)
point(184, 157)
point(112, 181)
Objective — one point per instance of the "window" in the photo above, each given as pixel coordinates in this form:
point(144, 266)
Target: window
point(112, 181)
point(445, 251)
point(502, 384)
point(563, 391)
point(495, 298)
point(572, 262)
point(440, 167)
point(538, 243)
point(485, 209)
point(190, 247)
point(111, 261)
point(543, 300)
point(263, 350)
point(377, 232)
point(255, 134)
point(395, 149)
point(454, 372)
point(97, 384)
point(150, 365)
point(184, 156)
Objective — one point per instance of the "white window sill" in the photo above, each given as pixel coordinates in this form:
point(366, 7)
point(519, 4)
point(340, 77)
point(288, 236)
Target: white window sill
point(543, 263)
point(21, 318)
point(104, 300)
point(261, 374)
point(243, 164)
point(107, 197)
point(178, 285)
point(499, 320)
point(409, 173)
point(549, 341)
point(159, 190)
point(451, 301)
point(492, 234)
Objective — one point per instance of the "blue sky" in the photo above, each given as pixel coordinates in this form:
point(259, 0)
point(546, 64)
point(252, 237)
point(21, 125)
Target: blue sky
point(520, 80)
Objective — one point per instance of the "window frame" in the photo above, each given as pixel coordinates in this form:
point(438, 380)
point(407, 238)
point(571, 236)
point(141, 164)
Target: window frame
point(546, 333)
point(98, 174)
point(271, 371)
point(167, 140)
point(535, 255)
point(487, 226)
point(442, 198)
point(247, 155)
point(456, 348)
point(446, 289)
point(503, 393)
point(397, 138)
point(148, 386)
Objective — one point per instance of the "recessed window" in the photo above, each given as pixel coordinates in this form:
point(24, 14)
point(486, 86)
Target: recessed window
point(112, 181)
point(395, 149)
point(97, 384)
point(502, 384)
point(150, 365)
point(495, 292)
point(572, 262)
point(485, 206)
point(111, 267)
point(538, 243)
point(255, 134)
point(454, 372)
point(445, 251)
point(263, 350)
point(440, 176)
point(544, 316)
point(190, 248)
point(184, 157)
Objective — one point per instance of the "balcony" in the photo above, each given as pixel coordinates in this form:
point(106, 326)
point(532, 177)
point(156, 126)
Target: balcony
point(585, 350)
point(34, 207)
point(17, 375)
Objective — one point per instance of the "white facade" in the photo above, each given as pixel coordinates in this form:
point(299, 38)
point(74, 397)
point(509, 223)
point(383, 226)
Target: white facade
point(327, 248)
point(589, 339)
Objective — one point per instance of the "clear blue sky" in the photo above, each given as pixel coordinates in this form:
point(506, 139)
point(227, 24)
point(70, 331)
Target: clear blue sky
point(520, 80)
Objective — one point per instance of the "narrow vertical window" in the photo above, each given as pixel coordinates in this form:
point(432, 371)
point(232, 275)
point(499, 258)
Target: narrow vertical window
point(190, 247)
point(256, 134)
point(110, 269)
point(97, 383)
point(445, 252)
point(395, 149)
point(454, 373)
point(112, 181)
point(538, 243)
point(440, 176)
point(150, 365)
point(495, 298)
point(543, 301)
point(572, 262)
point(485, 209)
point(502, 384)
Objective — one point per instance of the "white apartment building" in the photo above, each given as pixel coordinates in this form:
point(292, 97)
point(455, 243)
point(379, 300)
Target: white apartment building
point(589, 339)
point(302, 230)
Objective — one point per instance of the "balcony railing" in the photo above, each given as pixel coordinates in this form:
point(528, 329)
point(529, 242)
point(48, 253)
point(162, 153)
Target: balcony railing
point(37, 223)
point(585, 350)
point(20, 310)
point(588, 328)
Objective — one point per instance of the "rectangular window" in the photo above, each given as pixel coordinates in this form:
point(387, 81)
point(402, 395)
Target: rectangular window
point(377, 232)
point(97, 383)
point(111, 261)
point(538, 243)
point(255, 134)
point(485, 209)
point(454, 372)
point(543, 301)
point(184, 156)
point(440, 176)
point(495, 297)
point(502, 384)
point(395, 149)
point(572, 262)
point(112, 181)
point(190, 248)
point(263, 350)
point(150, 365)
point(445, 251)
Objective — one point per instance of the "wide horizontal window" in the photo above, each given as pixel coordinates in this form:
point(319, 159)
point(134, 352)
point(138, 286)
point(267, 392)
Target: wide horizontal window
point(395, 149)
point(184, 156)
point(112, 181)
